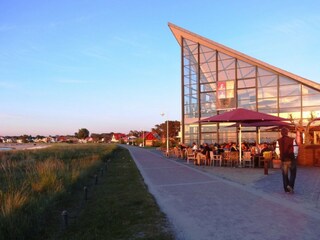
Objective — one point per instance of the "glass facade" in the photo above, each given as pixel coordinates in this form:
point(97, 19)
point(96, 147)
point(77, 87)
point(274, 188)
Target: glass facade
point(214, 82)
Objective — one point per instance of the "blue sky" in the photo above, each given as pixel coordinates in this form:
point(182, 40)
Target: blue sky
point(114, 65)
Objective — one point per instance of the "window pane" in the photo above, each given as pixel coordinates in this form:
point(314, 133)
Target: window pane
point(207, 111)
point(210, 87)
point(222, 56)
point(248, 104)
point(190, 69)
point(311, 100)
point(286, 112)
point(190, 110)
point(227, 64)
point(209, 128)
point(190, 79)
point(247, 83)
point(267, 103)
point(226, 75)
point(307, 90)
point(190, 118)
point(190, 89)
point(208, 67)
point(286, 81)
point(271, 111)
point(247, 72)
point(208, 57)
point(207, 97)
point(308, 110)
point(268, 81)
point(263, 72)
point(242, 64)
point(267, 92)
point(285, 102)
point(248, 93)
point(209, 138)
point(208, 77)
point(190, 99)
point(289, 90)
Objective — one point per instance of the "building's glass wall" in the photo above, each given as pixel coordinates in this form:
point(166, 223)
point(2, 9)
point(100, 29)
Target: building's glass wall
point(215, 82)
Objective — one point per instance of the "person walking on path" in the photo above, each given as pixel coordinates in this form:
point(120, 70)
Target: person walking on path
point(205, 203)
point(288, 160)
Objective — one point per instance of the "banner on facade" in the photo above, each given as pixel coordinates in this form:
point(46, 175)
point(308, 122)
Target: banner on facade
point(225, 95)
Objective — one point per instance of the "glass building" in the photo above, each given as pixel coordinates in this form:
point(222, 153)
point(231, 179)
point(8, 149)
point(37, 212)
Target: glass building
point(216, 79)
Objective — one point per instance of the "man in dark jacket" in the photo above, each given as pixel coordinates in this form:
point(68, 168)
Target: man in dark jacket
point(288, 160)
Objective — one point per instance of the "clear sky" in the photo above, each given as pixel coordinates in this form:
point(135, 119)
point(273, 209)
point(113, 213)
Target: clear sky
point(114, 65)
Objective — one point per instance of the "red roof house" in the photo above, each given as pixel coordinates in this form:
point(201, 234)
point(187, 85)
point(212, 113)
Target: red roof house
point(116, 137)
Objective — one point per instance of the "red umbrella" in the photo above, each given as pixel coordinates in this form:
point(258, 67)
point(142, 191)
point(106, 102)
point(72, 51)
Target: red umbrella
point(262, 124)
point(240, 116)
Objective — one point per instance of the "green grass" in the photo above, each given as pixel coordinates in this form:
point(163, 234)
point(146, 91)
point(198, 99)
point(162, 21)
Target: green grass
point(36, 186)
point(120, 207)
point(33, 182)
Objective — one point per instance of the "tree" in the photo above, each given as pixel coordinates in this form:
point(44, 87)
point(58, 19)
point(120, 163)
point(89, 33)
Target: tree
point(82, 133)
point(24, 138)
point(134, 133)
point(96, 137)
point(161, 129)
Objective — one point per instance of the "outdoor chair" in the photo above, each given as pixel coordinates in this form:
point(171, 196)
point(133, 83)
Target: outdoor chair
point(234, 158)
point(226, 161)
point(215, 159)
point(191, 155)
point(247, 159)
point(177, 152)
point(205, 159)
point(169, 154)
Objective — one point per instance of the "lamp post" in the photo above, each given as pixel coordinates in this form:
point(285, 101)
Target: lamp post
point(167, 151)
point(142, 138)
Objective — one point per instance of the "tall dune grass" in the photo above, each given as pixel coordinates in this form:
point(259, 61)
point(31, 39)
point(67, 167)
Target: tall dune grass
point(31, 182)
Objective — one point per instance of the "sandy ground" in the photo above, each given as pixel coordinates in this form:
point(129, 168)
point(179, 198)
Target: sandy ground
point(23, 146)
point(230, 203)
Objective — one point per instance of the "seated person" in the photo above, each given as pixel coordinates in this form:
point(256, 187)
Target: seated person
point(264, 148)
point(203, 153)
point(194, 147)
point(233, 148)
point(220, 150)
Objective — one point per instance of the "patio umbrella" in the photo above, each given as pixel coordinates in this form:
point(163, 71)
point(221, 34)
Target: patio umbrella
point(274, 124)
point(262, 124)
point(243, 116)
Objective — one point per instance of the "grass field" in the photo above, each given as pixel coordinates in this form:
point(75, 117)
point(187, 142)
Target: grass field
point(37, 186)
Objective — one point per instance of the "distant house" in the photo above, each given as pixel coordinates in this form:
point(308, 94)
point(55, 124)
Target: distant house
point(150, 138)
point(10, 140)
point(116, 137)
point(62, 139)
point(86, 140)
point(130, 140)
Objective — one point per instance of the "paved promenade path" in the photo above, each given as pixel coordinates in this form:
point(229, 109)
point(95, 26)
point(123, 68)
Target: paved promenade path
point(231, 203)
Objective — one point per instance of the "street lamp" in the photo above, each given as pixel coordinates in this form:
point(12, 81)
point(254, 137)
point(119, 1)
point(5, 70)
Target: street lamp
point(167, 152)
point(142, 138)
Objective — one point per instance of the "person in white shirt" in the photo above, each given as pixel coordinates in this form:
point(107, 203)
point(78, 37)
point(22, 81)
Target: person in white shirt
point(194, 147)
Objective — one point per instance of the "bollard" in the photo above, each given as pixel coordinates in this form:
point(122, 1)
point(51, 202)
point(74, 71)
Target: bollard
point(85, 189)
point(265, 167)
point(96, 179)
point(64, 215)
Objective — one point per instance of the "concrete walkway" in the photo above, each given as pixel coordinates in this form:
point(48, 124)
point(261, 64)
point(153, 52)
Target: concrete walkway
point(231, 203)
